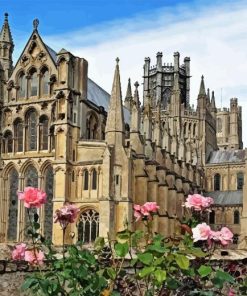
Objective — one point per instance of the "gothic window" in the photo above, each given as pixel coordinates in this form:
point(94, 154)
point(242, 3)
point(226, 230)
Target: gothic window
point(194, 129)
point(31, 179)
point(236, 217)
point(166, 98)
point(240, 181)
point(73, 176)
point(44, 81)
point(33, 90)
point(13, 205)
point(219, 125)
point(92, 126)
point(212, 217)
point(43, 133)
point(18, 130)
point(31, 134)
point(88, 226)
point(48, 211)
point(22, 85)
point(8, 142)
point(185, 128)
point(94, 179)
point(217, 180)
point(85, 186)
point(52, 137)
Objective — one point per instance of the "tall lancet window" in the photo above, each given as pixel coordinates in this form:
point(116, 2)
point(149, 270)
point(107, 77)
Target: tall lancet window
point(22, 83)
point(13, 205)
point(43, 133)
point(31, 134)
point(33, 91)
point(44, 82)
point(48, 215)
point(18, 130)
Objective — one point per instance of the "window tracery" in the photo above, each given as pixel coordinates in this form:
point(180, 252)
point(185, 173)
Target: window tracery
point(22, 85)
point(240, 181)
point(88, 226)
point(31, 134)
point(85, 185)
point(33, 84)
point(7, 142)
point(43, 133)
point(44, 81)
point(18, 130)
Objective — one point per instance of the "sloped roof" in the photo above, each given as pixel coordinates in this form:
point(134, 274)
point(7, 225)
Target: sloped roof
point(52, 53)
point(226, 156)
point(226, 197)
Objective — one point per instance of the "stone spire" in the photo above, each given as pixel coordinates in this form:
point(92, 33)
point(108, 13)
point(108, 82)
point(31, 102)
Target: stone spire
point(135, 111)
point(128, 97)
point(202, 87)
point(115, 118)
point(5, 35)
point(213, 106)
point(136, 94)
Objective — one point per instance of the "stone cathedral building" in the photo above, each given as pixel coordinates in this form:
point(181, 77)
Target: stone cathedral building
point(63, 133)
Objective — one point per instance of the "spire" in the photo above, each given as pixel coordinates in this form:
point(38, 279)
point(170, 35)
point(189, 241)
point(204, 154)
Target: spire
point(202, 87)
point(5, 35)
point(208, 94)
point(128, 97)
point(115, 118)
point(213, 106)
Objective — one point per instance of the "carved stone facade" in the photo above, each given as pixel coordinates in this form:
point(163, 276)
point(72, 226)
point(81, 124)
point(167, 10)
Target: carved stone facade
point(61, 131)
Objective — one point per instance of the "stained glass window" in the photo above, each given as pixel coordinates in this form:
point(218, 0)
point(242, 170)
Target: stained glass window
point(48, 215)
point(43, 134)
point(13, 205)
point(88, 226)
point(45, 82)
point(31, 131)
point(19, 136)
point(22, 85)
point(240, 181)
point(217, 182)
point(85, 186)
point(34, 84)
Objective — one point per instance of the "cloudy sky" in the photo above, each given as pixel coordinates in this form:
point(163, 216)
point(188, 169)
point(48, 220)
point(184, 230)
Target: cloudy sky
point(212, 33)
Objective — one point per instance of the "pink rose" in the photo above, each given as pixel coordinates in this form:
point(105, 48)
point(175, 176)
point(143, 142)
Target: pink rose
point(224, 236)
point(19, 252)
point(198, 202)
point(151, 207)
point(137, 212)
point(33, 197)
point(201, 232)
point(34, 257)
point(231, 292)
point(66, 214)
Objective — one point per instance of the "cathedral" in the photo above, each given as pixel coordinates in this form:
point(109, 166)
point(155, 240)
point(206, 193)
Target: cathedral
point(63, 133)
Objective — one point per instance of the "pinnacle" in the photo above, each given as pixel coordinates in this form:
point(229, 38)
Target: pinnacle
point(202, 87)
point(5, 34)
point(129, 91)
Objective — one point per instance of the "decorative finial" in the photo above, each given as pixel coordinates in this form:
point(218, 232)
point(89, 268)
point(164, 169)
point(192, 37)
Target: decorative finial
point(35, 24)
point(6, 16)
point(202, 77)
point(136, 84)
point(117, 60)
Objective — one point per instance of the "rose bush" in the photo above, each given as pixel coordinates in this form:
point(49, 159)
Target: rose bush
point(136, 263)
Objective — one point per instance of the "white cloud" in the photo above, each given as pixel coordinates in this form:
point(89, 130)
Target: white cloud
point(215, 38)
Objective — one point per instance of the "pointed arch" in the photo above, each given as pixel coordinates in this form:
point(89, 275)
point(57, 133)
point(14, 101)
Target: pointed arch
point(44, 81)
point(7, 144)
point(31, 129)
point(88, 226)
point(94, 178)
point(33, 82)
point(92, 124)
point(22, 85)
point(43, 132)
point(18, 135)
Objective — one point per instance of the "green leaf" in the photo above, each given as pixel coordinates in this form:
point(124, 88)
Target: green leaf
point(224, 276)
point(136, 237)
point(198, 252)
point(158, 261)
point(111, 273)
point(121, 249)
point(28, 283)
point(99, 243)
point(146, 271)
point(157, 248)
point(204, 270)
point(36, 225)
point(123, 237)
point(160, 275)
point(172, 284)
point(133, 261)
point(146, 258)
point(182, 261)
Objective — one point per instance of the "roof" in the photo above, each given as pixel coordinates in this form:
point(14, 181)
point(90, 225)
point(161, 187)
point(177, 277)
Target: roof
point(52, 53)
point(227, 197)
point(100, 97)
point(226, 156)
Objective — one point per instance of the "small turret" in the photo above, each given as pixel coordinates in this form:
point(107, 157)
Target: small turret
point(213, 106)
point(202, 91)
point(128, 97)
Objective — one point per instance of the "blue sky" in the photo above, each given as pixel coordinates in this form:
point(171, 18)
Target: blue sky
point(212, 33)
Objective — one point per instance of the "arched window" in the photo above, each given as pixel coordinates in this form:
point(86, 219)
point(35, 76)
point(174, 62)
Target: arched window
point(85, 186)
point(185, 128)
point(43, 133)
point(22, 83)
point(94, 179)
point(18, 131)
point(52, 137)
point(44, 82)
point(217, 180)
point(13, 205)
point(194, 129)
point(31, 133)
point(240, 181)
point(88, 226)
point(48, 214)
point(30, 179)
point(236, 217)
point(8, 142)
point(212, 217)
point(219, 125)
point(166, 98)
point(33, 89)
point(92, 127)
point(73, 176)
